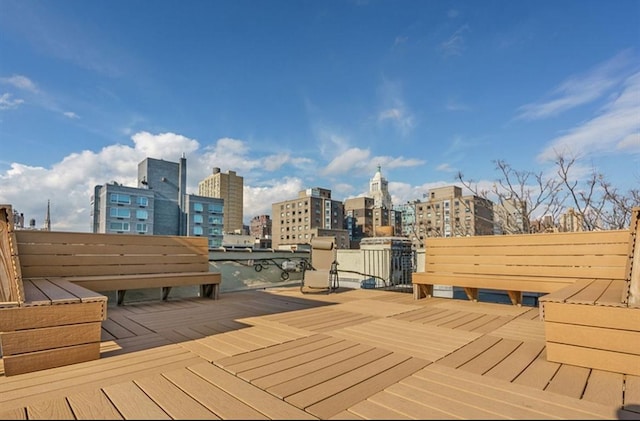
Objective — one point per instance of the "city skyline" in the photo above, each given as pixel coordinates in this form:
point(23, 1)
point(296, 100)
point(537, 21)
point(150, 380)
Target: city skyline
point(294, 95)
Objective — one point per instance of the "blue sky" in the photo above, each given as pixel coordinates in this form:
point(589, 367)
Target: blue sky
point(297, 94)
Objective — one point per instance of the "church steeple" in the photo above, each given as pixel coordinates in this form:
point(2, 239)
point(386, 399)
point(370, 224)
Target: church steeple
point(379, 190)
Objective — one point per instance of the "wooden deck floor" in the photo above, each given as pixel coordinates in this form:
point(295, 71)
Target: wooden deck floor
point(352, 354)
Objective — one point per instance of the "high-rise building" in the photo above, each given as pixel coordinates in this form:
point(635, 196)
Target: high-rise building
point(230, 188)
point(312, 214)
point(158, 206)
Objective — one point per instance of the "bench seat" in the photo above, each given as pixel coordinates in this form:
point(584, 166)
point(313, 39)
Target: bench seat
point(536, 263)
point(118, 262)
point(587, 324)
point(58, 323)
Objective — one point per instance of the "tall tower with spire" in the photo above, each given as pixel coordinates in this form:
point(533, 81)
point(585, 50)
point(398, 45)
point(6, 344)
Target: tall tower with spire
point(47, 218)
point(379, 191)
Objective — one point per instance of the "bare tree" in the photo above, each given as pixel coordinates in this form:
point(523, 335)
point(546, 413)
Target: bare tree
point(519, 195)
point(599, 204)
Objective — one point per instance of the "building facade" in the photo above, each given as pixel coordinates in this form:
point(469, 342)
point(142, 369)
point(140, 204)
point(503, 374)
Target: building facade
point(230, 188)
point(445, 212)
point(158, 206)
point(260, 227)
point(312, 214)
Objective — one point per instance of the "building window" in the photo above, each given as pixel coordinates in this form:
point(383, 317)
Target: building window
point(142, 201)
point(198, 219)
point(120, 213)
point(215, 208)
point(141, 227)
point(197, 230)
point(198, 207)
point(142, 214)
point(121, 199)
point(118, 226)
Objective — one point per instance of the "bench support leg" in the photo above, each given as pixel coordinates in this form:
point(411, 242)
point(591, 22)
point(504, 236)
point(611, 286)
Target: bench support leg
point(472, 293)
point(210, 291)
point(165, 293)
point(515, 297)
point(422, 291)
point(120, 294)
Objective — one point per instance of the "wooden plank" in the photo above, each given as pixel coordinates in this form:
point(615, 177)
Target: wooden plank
point(67, 237)
point(55, 293)
point(516, 362)
point(223, 404)
point(125, 282)
point(569, 380)
point(40, 360)
point(590, 294)
point(34, 296)
point(319, 392)
point(611, 296)
point(616, 340)
point(561, 295)
point(24, 341)
point(344, 399)
point(18, 318)
point(93, 405)
point(594, 358)
point(498, 392)
point(290, 387)
point(173, 401)
point(55, 409)
point(341, 351)
point(600, 316)
point(260, 400)
point(538, 374)
point(491, 356)
point(605, 387)
point(13, 414)
point(133, 403)
point(468, 352)
point(85, 295)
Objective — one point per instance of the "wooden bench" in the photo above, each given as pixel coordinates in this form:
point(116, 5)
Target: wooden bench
point(43, 324)
point(537, 263)
point(595, 323)
point(118, 262)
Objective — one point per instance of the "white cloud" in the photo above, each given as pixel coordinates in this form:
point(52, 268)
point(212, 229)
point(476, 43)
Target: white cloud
point(20, 82)
point(71, 115)
point(445, 168)
point(6, 103)
point(607, 132)
point(630, 143)
point(577, 90)
point(347, 161)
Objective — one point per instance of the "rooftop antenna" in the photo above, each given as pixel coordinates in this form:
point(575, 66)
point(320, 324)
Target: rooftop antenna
point(47, 218)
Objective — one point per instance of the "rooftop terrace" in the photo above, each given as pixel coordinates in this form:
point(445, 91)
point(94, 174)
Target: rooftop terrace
point(352, 354)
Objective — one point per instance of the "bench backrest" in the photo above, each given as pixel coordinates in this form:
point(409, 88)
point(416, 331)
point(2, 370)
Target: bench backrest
point(557, 257)
point(11, 288)
point(69, 254)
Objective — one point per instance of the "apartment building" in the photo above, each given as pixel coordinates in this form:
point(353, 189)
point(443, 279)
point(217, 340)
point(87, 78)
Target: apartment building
point(158, 206)
point(230, 188)
point(312, 214)
point(447, 213)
